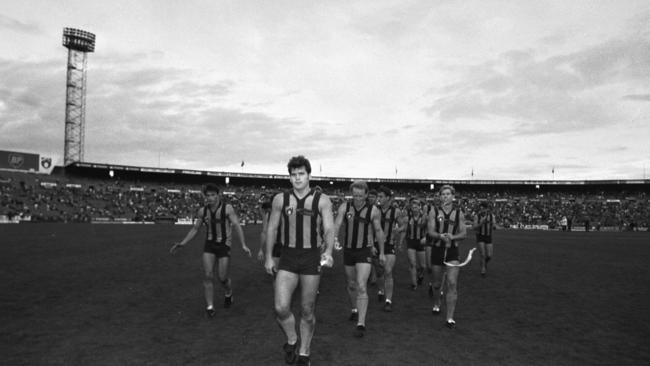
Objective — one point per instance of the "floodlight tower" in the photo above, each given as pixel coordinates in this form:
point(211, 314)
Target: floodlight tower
point(78, 43)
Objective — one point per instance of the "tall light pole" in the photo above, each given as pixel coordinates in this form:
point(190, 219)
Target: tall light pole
point(78, 43)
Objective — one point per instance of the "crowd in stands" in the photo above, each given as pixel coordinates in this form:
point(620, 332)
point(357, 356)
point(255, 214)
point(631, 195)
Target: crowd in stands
point(41, 198)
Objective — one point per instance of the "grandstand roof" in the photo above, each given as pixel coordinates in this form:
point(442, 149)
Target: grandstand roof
point(205, 173)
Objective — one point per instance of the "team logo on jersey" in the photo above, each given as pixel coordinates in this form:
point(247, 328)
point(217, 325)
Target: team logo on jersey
point(362, 220)
point(304, 211)
point(349, 215)
point(289, 210)
point(15, 160)
point(46, 163)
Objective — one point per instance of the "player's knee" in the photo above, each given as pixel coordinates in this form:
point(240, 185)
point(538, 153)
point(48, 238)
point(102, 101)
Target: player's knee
point(282, 312)
point(352, 285)
point(451, 286)
point(388, 274)
point(208, 277)
point(307, 312)
point(362, 290)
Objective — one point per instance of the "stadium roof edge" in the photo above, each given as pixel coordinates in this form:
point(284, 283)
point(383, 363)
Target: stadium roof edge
point(347, 179)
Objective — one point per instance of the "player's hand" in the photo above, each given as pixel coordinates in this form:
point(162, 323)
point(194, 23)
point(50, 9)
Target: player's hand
point(423, 241)
point(326, 260)
point(175, 247)
point(337, 244)
point(382, 259)
point(269, 265)
point(260, 256)
point(247, 250)
point(374, 251)
point(446, 238)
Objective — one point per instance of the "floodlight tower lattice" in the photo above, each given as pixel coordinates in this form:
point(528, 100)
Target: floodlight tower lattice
point(78, 43)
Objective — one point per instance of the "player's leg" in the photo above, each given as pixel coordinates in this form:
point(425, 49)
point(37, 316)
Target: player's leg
point(481, 249)
point(451, 293)
point(438, 274)
point(285, 284)
point(411, 253)
point(351, 278)
point(388, 279)
point(378, 269)
point(373, 277)
point(208, 279)
point(309, 288)
point(427, 258)
point(362, 272)
point(223, 272)
point(421, 264)
point(489, 248)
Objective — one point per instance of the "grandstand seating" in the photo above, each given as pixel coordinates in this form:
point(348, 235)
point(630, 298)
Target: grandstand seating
point(65, 198)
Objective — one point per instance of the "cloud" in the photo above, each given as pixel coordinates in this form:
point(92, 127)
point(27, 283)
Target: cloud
point(10, 24)
point(133, 113)
point(637, 97)
point(566, 92)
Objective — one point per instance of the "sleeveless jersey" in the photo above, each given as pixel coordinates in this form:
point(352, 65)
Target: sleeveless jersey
point(388, 223)
point(300, 221)
point(358, 230)
point(415, 228)
point(486, 227)
point(217, 224)
point(447, 223)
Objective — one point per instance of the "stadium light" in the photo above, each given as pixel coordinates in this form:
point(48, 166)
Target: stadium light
point(227, 180)
point(111, 173)
point(78, 43)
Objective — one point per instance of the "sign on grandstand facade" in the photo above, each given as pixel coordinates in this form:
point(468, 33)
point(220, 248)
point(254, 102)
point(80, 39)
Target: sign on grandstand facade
point(29, 162)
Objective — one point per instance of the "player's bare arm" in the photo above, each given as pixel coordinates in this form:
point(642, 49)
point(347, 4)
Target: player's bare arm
point(325, 207)
point(339, 221)
point(234, 219)
point(375, 216)
point(265, 224)
point(431, 227)
point(272, 232)
point(190, 235)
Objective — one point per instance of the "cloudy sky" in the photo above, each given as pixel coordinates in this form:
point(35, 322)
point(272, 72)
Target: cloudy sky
point(432, 89)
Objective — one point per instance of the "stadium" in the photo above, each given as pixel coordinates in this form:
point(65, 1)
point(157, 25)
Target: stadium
point(88, 278)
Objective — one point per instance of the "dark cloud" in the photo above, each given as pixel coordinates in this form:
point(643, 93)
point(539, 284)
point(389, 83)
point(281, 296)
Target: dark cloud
point(11, 24)
point(134, 113)
point(637, 97)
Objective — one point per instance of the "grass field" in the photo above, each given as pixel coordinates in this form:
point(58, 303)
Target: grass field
point(112, 295)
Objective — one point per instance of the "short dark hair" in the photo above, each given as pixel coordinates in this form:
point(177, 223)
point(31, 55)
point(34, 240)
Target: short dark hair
point(385, 190)
point(210, 187)
point(372, 192)
point(299, 162)
point(449, 187)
